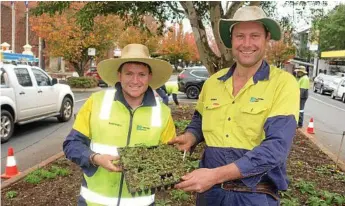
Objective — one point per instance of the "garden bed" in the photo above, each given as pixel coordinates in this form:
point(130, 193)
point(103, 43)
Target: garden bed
point(314, 179)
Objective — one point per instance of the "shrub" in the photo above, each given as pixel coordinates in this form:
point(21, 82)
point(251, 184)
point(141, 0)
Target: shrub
point(82, 82)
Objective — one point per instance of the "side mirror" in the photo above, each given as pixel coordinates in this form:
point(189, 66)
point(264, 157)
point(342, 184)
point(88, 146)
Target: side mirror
point(54, 81)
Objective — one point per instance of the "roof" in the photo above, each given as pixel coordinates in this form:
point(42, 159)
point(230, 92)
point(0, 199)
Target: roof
point(333, 54)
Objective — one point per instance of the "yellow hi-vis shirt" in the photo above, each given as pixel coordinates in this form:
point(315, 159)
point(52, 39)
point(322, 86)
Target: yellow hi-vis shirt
point(303, 82)
point(238, 121)
point(171, 87)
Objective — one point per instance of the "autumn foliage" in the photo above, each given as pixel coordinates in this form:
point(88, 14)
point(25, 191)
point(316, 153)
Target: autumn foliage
point(280, 51)
point(177, 45)
point(65, 38)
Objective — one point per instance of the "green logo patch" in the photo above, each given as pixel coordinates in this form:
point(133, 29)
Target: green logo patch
point(254, 99)
point(142, 128)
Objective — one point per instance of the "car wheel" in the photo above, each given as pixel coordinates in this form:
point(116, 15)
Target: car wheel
point(7, 126)
point(192, 92)
point(343, 98)
point(66, 110)
point(321, 90)
point(332, 95)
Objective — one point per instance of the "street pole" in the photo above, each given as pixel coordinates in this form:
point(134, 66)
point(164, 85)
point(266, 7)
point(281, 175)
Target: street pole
point(13, 28)
point(39, 52)
point(27, 22)
point(0, 21)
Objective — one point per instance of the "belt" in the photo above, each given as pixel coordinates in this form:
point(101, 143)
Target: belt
point(264, 188)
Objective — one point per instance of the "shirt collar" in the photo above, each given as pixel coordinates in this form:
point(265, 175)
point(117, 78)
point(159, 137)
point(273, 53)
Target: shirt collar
point(262, 74)
point(149, 99)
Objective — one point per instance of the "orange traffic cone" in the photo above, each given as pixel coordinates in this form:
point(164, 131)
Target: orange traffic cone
point(310, 128)
point(11, 166)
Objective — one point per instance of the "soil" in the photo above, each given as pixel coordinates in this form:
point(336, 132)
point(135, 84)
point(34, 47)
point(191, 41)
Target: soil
point(306, 162)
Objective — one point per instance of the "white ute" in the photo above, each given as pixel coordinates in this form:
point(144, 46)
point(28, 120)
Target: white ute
point(29, 94)
point(339, 91)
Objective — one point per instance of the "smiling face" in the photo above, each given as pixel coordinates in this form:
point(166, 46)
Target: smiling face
point(134, 78)
point(249, 41)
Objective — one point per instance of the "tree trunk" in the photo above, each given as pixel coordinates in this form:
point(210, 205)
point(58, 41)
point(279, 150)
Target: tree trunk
point(207, 56)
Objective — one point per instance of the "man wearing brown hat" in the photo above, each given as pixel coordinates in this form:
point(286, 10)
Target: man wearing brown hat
point(304, 84)
point(247, 116)
point(125, 116)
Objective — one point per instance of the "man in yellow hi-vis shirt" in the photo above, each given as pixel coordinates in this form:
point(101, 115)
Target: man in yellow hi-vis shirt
point(170, 88)
point(247, 115)
point(304, 84)
point(125, 116)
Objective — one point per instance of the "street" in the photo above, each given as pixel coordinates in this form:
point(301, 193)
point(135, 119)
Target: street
point(37, 141)
point(329, 121)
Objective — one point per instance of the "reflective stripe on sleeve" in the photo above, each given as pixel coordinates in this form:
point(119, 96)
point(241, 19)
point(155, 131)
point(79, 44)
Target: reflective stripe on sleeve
point(112, 201)
point(104, 149)
point(156, 115)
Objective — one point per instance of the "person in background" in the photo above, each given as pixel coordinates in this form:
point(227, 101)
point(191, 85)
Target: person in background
point(125, 116)
point(170, 88)
point(247, 115)
point(304, 84)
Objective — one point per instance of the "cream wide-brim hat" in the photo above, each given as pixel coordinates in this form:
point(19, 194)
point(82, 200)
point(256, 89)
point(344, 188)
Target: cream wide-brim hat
point(245, 14)
point(161, 70)
point(301, 69)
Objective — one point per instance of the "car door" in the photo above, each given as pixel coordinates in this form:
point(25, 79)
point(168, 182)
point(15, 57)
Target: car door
point(47, 97)
point(26, 94)
point(341, 89)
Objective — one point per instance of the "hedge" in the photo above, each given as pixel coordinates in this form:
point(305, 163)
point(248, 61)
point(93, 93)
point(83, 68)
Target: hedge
point(82, 82)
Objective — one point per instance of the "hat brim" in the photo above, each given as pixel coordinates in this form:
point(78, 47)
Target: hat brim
point(225, 25)
point(299, 70)
point(161, 70)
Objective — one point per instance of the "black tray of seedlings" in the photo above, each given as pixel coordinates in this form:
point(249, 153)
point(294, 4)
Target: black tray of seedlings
point(150, 169)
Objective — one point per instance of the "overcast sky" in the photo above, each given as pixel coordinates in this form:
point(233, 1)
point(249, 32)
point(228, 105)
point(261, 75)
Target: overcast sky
point(282, 11)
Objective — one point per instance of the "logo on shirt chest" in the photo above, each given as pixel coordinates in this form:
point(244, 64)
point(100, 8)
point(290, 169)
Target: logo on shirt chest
point(142, 128)
point(255, 99)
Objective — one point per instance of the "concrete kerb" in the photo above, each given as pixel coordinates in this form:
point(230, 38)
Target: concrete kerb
point(341, 164)
point(26, 172)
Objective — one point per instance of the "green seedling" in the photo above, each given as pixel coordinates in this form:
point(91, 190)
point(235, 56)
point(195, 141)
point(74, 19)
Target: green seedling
point(306, 187)
point(11, 194)
point(32, 178)
point(47, 175)
point(60, 171)
point(163, 203)
point(179, 195)
point(289, 202)
point(339, 199)
point(315, 201)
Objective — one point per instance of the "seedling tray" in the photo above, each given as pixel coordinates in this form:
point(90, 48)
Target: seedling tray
point(150, 169)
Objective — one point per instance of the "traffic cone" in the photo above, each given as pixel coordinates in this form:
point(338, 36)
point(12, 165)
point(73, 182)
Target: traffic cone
point(11, 166)
point(310, 128)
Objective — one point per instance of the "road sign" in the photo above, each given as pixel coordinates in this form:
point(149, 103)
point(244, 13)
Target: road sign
point(313, 47)
point(91, 51)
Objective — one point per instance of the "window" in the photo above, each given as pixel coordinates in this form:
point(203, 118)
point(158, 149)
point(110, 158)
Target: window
point(23, 77)
point(3, 78)
point(200, 73)
point(41, 78)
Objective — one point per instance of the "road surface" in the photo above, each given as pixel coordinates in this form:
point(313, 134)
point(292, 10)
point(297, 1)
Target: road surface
point(329, 121)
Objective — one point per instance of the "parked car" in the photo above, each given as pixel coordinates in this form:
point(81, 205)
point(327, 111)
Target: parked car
point(191, 80)
point(339, 91)
point(92, 72)
point(323, 83)
point(29, 94)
